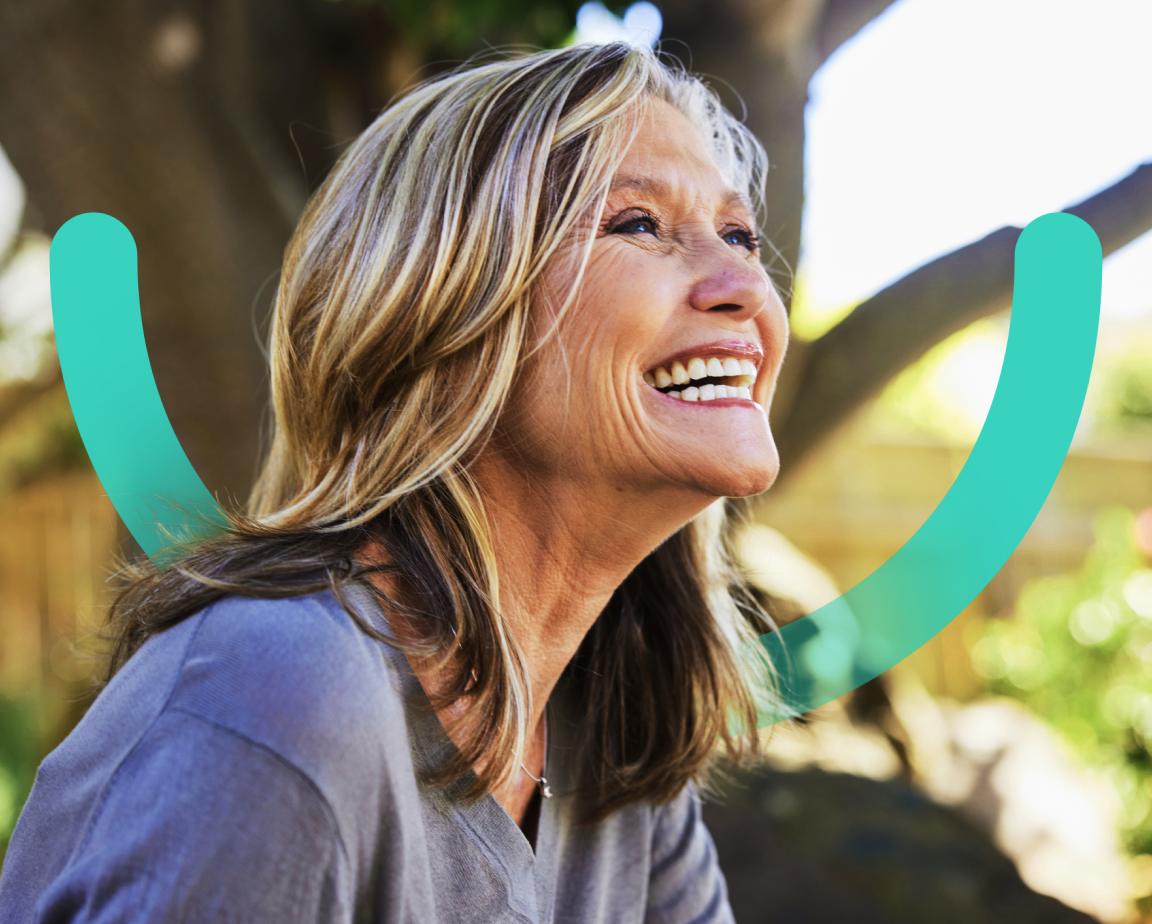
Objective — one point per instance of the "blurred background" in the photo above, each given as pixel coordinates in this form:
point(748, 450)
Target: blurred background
point(1003, 771)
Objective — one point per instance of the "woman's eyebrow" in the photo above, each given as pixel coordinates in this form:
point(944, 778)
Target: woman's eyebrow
point(659, 188)
point(740, 199)
point(642, 183)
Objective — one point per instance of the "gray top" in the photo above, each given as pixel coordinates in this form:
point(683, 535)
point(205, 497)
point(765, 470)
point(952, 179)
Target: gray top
point(262, 762)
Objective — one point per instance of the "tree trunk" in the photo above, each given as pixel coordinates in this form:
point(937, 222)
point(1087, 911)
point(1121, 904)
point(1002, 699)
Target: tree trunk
point(202, 133)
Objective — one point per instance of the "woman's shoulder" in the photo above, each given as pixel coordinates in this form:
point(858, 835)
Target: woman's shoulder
point(283, 642)
point(296, 675)
point(251, 722)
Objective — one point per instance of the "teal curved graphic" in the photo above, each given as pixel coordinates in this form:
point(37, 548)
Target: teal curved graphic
point(879, 622)
point(995, 498)
point(108, 377)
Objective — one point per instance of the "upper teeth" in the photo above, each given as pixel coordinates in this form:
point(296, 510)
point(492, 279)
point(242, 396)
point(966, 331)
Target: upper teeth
point(739, 373)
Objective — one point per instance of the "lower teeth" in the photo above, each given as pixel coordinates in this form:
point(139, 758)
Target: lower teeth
point(710, 393)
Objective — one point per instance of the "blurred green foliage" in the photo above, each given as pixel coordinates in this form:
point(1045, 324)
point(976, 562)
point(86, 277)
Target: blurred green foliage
point(19, 743)
point(456, 25)
point(1078, 652)
point(43, 441)
point(1126, 401)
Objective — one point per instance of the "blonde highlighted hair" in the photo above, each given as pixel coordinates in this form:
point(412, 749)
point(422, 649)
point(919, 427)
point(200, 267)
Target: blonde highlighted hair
point(401, 318)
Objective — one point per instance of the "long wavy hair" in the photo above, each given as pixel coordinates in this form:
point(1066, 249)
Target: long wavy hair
point(401, 319)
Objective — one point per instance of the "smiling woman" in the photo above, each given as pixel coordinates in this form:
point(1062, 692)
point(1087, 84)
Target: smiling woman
point(476, 641)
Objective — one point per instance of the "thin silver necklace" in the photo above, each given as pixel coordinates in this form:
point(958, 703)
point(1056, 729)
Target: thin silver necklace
point(542, 781)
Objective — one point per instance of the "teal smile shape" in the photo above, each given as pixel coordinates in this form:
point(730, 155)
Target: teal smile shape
point(876, 624)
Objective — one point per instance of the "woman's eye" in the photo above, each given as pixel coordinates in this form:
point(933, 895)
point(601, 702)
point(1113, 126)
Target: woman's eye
point(743, 237)
point(641, 224)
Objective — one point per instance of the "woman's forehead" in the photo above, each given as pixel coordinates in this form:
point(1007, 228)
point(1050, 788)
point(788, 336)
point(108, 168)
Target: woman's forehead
point(668, 160)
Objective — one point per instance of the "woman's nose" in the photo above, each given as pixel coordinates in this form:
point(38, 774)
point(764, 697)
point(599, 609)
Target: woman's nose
point(732, 286)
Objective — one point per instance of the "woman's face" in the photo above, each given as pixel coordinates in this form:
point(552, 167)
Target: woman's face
point(675, 312)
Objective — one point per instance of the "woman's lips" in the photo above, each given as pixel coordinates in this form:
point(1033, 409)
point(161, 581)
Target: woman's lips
point(720, 349)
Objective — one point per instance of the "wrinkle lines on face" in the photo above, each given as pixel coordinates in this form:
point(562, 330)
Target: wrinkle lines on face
point(666, 272)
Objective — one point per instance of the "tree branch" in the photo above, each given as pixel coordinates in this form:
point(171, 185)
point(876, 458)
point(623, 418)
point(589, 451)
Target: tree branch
point(842, 19)
point(1120, 213)
point(857, 357)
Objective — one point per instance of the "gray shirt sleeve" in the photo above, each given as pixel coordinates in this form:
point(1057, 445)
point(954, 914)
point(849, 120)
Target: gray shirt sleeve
point(685, 884)
point(202, 824)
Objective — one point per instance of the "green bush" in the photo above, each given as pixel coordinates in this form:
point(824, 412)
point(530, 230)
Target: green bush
point(1126, 399)
point(1078, 652)
point(19, 739)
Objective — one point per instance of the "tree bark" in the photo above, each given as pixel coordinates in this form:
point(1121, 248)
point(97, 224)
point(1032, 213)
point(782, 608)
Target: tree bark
point(201, 127)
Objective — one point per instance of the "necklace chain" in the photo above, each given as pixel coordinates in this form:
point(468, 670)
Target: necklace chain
point(542, 779)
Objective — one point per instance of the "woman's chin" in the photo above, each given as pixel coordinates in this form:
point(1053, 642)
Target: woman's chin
point(736, 476)
point(725, 448)
point(747, 486)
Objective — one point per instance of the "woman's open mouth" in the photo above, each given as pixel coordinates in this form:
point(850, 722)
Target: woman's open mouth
point(704, 378)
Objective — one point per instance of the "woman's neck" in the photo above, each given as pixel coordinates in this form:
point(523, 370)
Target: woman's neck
point(561, 552)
